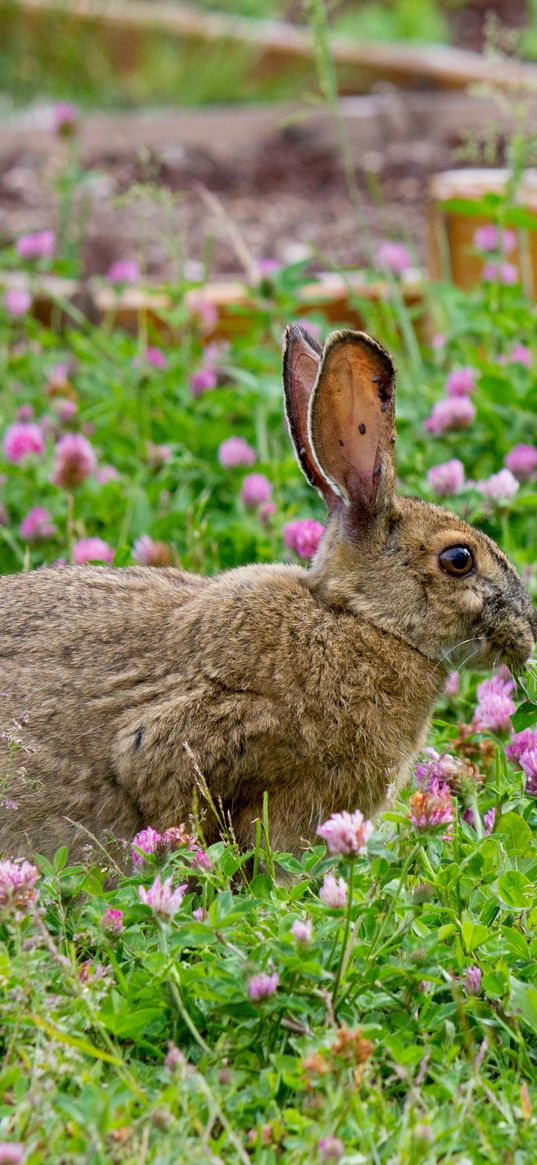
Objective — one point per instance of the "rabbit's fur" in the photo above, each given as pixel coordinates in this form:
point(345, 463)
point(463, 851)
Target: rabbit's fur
point(314, 685)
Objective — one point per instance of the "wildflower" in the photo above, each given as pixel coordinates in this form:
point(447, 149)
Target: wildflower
point(65, 410)
point(200, 914)
point(151, 553)
point(447, 478)
point(174, 1058)
point(21, 439)
point(333, 892)
point(472, 981)
point(346, 833)
point(491, 238)
point(124, 271)
point(454, 412)
point(489, 819)
point(520, 354)
point(92, 550)
point(255, 490)
point(106, 473)
point(504, 273)
point(11, 1153)
point(303, 536)
point(307, 537)
point(261, 986)
point(90, 971)
point(528, 763)
point(156, 357)
point(74, 460)
point(302, 931)
point(163, 901)
point(460, 776)
point(265, 512)
point(432, 808)
point(24, 413)
point(235, 451)
point(267, 267)
point(522, 461)
point(330, 1148)
point(205, 310)
point(201, 860)
point(17, 301)
point(148, 841)
point(174, 837)
point(112, 921)
point(17, 885)
point(157, 455)
point(39, 245)
point(64, 119)
point(395, 257)
point(461, 381)
point(500, 487)
point(520, 742)
point(58, 379)
point(452, 684)
point(37, 526)
point(494, 705)
point(204, 380)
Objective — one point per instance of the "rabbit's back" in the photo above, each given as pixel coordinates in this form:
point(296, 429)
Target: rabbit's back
point(271, 689)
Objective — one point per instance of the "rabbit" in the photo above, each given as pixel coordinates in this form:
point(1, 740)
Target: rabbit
point(314, 685)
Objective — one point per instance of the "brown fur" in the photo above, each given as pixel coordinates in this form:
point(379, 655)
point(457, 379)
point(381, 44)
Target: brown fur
point(315, 685)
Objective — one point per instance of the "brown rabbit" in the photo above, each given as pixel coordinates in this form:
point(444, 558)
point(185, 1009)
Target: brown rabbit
point(315, 685)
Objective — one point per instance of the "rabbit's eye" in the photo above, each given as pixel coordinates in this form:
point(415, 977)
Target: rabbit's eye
point(457, 560)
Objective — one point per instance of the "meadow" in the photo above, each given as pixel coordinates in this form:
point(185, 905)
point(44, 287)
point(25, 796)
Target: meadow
point(375, 999)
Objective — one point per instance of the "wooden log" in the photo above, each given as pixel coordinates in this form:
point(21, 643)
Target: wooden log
point(277, 46)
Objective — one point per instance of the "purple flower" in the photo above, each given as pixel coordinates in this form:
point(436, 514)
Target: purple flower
point(112, 921)
point(39, 245)
point(453, 412)
point(205, 379)
point(267, 267)
point(21, 439)
point(489, 819)
point(37, 526)
point(302, 931)
point(174, 1058)
point(491, 238)
point(17, 885)
point(235, 451)
point(447, 478)
point(394, 257)
point(461, 381)
point(522, 461)
point(265, 512)
point(520, 742)
point(24, 413)
point(261, 986)
point(520, 354)
point(106, 473)
point(65, 410)
point(500, 487)
point(163, 901)
point(255, 490)
point(330, 1148)
point(150, 553)
point(124, 271)
point(156, 357)
point(346, 833)
point(11, 1153)
point(472, 981)
point(64, 118)
point(333, 892)
point(17, 301)
point(92, 550)
point(200, 914)
point(201, 860)
point(504, 273)
point(157, 455)
point(74, 461)
point(303, 536)
point(147, 840)
point(432, 807)
point(494, 709)
point(204, 309)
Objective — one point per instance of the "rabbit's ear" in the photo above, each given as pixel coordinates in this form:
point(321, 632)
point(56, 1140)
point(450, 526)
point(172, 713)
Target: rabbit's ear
point(301, 362)
point(352, 420)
